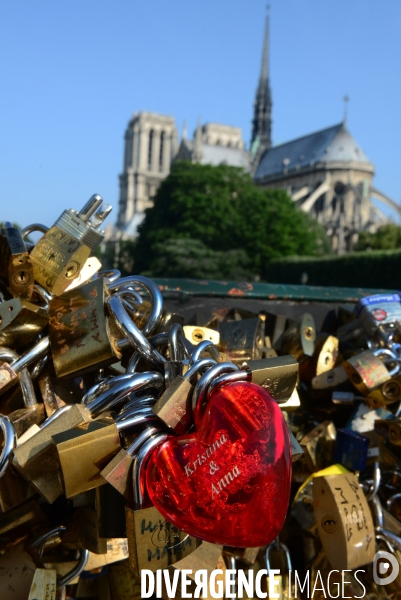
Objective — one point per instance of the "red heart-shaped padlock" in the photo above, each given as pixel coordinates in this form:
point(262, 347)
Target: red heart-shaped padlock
point(229, 483)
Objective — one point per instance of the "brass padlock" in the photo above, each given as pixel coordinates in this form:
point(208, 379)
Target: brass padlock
point(119, 470)
point(330, 380)
point(174, 406)
point(197, 334)
point(292, 403)
point(299, 338)
point(153, 542)
point(390, 429)
point(318, 446)
point(60, 254)
point(207, 557)
point(366, 371)
point(81, 335)
point(35, 459)
point(16, 271)
point(84, 451)
point(242, 340)
point(344, 521)
point(277, 375)
point(323, 358)
point(82, 531)
point(275, 325)
point(387, 393)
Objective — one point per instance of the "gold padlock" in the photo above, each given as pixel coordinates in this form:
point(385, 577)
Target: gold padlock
point(366, 371)
point(299, 339)
point(323, 359)
point(318, 446)
point(207, 557)
point(60, 254)
point(81, 335)
point(278, 375)
point(242, 340)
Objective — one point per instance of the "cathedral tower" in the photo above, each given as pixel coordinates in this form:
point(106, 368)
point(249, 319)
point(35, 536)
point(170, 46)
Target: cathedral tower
point(261, 122)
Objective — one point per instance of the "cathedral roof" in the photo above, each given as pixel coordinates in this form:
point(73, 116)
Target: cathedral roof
point(332, 145)
point(217, 155)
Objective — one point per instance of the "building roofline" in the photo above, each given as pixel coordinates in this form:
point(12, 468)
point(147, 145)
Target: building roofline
point(303, 137)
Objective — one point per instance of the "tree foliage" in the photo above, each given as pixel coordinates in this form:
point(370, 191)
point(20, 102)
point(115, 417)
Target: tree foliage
point(190, 258)
point(387, 237)
point(223, 209)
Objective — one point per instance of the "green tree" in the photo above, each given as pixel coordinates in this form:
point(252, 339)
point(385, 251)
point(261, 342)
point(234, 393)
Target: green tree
point(190, 258)
point(387, 237)
point(222, 208)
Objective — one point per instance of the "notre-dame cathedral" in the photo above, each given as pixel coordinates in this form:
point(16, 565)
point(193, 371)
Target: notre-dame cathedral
point(326, 172)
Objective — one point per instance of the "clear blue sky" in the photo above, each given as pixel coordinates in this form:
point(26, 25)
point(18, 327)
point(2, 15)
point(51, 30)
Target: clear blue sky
point(73, 71)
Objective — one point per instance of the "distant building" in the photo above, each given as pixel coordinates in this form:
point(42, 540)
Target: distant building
point(151, 142)
point(215, 144)
point(326, 173)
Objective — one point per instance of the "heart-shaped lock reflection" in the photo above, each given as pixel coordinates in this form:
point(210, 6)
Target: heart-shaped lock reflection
point(229, 483)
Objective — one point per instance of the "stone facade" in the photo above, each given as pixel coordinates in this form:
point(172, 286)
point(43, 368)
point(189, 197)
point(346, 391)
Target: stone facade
point(151, 142)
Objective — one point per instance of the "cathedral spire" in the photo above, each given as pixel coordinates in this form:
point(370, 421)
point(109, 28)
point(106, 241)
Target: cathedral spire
point(261, 122)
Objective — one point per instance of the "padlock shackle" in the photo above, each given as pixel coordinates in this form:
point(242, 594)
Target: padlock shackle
point(8, 355)
point(155, 294)
point(9, 443)
point(386, 352)
point(43, 294)
point(111, 275)
point(34, 227)
point(55, 416)
point(40, 365)
point(200, 392)
point(281, 548)
point(129, 297)
point(130, 331)
point(31, 355)
point(142, 438)
point(380, 537)
point(157, 340)
point(90, 207)
point(138, 402)
point(202, 363)
point(204, 346)
point(392, 499)
point(47, 536)
point(219, 382)
point(394, 539)
point(76, 570)
point(376, 481)
point(103, 386)
point(176, 348)
point(24, 378)
point(113, 396)
point(134, 418)
point(377, 511)
point(140, 463)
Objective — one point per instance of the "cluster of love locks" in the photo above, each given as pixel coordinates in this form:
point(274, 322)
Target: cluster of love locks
point(136, 439)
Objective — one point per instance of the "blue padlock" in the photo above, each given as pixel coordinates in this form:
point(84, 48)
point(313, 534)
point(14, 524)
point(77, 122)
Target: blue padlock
point(351, 449)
